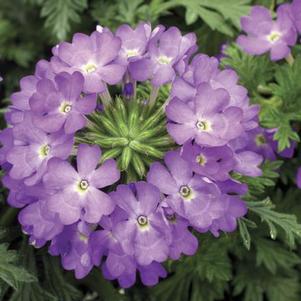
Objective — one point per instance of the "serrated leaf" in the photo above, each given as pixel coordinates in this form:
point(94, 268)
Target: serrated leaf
point(60, 13)
point(10, 270)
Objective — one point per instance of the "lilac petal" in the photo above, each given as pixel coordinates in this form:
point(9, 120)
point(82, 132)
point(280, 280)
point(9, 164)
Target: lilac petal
point(148, 197)
point(247, 163)
point(49, 123)
point(182, 90)
point(70, 86)
point(98, 204)
point(87, 159)
point(125, 199)
point(107, 174)
point(112, 74)
point(180, 133)
point(163, 75)
point(209, 101)
point(87, 104)
point(159, 176)
point(178, 111)
point(94, 83)
point(150, 274)
point(60, 174)
point(125, 233)
point(279, 51)
point(141, 70)
point(150, 246)
point(253, 45)
point(74, 122)
point(67, 205)
point(180, 169)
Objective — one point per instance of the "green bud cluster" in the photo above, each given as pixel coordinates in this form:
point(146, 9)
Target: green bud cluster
point(130, 131)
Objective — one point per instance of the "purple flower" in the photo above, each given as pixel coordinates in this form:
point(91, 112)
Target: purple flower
point(39, 223)
point(6, 142)
point(73, 246)
point(207, 119)
point(190, 196)
point(60, 104)
point(20, 100)
point(134, 42)
point(94, 56)
point(21, 194)
point(234, 208)
point(204, 69)
point(77, 195)
point(143, 234)
point(296, 11)
point(264, 34)
point(34, 148)
point(214, 162)
point(166, 52)
point(183, 241)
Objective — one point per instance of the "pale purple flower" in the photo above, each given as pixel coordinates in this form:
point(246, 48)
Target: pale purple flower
point(166, 52)
point(190, 196)
point(73, 246)
point(32, 150)
point(39, 223)
point(204, 69)
point(234, 208)
point(20, 194)
point(6, 143)
point(20, 100)
point(296, 12)
point(143, 234)
point(267, 35)
point(94, 56)
point(60, 103)
point(77, 195)
point(214, 162)
point(183, 241)
point(207, 119)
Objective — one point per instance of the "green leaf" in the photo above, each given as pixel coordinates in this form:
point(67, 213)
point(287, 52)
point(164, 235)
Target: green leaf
point(10, 270)
point(276, 220)
point(274, 255)
point(253, 71)
point(60, 13)
point(56, 282)
point(216, 13)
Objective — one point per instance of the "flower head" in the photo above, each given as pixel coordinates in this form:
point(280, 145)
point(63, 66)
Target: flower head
point(77, 195)
point(265, 34)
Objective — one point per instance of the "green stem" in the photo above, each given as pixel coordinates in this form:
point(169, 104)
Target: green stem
point(153, 96)
point(273, 4)
point(105, 289)
point(8, 216)
point(290, 59)
point(106, 97)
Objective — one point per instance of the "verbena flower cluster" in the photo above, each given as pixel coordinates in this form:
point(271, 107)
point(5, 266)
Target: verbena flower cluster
point(265, 34)
point(75, 199)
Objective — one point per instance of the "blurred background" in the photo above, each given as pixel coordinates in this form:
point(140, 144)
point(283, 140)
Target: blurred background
point(28, 31)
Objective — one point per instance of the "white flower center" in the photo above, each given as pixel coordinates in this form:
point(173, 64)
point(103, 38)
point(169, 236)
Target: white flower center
point(164, 60)
point(185, 191)
point(83, 185)
point(203, 125)
point(142, 220)
point(132, 52)
point(44, 150)
point(89, 68)
point(65, 107)
point(201, 159)
point(274, 36)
